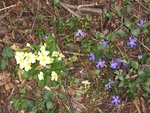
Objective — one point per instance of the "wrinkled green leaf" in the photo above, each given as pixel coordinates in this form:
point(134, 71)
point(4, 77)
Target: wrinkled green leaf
point(134, 65)
point(3, 64)
point(7, 52)
point(49, 104)
point(62, 95)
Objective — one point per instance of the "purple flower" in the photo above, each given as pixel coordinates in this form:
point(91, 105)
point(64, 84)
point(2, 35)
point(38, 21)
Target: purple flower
point(132, 42)
point(123, 62)
point(104, 42)
point(100, 63)
point(45, 36)
point(140, 23)
point(81, 72)
point(92, 57)
point(143, 67)
point(120, 70)
point(79, 33)
point(108, 85)
point(140, 57)
point(115, 100)
point(113, 65)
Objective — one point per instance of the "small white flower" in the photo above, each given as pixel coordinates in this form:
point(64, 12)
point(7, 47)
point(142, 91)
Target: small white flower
point(86, 82)
point(40, 76)
point(54, 76)
point(28, 45)
point(47, 88)
point(55, 53)
point(61, 56)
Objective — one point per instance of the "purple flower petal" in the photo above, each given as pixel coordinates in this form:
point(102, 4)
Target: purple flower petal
point(113, 64)
point(104, 42)
point(132, 42)
point(79, 33)
point(140, 57)
point(92, 57)
point(100, 63)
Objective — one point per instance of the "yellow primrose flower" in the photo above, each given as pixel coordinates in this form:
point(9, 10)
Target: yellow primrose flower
point(54, 76)
point(47, 88)
point(44, 60)
point(19, 56)
point(40, 76)
point(28, 45)
point(30, 57)
point(43, 53)
point(27, 65)
point(43, 47)
point(55, 53)
point(51, 60)
point(61, 56)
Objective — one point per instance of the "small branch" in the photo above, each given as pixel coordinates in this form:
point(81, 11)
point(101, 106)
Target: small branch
point(143, 5)
point(67, 8)
point(66, 91)
point(145, 46)
point(84, 9)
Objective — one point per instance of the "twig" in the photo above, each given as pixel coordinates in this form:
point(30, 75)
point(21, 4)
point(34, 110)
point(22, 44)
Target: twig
point(67, 8)
point(8, 7)
point(142, 5)
point(79, 54)
point(84, 9)
point(144, 46)
point(68, 97)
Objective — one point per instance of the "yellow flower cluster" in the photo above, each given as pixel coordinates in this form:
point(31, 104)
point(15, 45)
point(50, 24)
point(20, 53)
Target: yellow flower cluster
point(25, 59)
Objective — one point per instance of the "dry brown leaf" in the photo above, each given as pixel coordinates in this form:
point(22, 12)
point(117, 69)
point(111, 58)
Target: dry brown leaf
point(4, 78)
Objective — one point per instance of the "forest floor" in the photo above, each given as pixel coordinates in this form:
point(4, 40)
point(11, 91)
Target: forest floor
point(19, 21)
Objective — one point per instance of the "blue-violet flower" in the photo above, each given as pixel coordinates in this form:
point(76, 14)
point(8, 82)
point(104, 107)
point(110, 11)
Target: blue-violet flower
point(92, 57)
point(115, 100)
point(113, 65)
point(108, 85)
point(132, 42)
point(79, 33)
point(104, 42)
point(100, 63)
point(140, 57)
point(140, 23)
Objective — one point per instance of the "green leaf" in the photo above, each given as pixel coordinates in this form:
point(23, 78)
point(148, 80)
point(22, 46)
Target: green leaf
point(62, 95)
point(48, 95)
point(98, 35)
point(122, 33)
point(25, 75)
point(49, 104)
point(147, 69)
point(135, 32)
point(145, 24)
point(127, 22)
point(3, 64)
point(71, 23)
point(141, 74)
point(146, 88)
point(61, 30)
point(16, 103)
point(97, 72)
point(129, 9)
point(59, 23)
point(134, 65)
point(76, 81)
point(113, 37)
point(52, 22)
point(121, 84)
point(7, 52)
point(147, 83)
